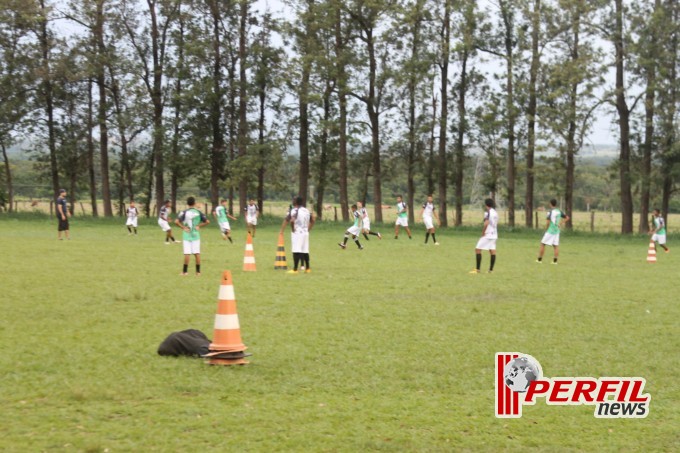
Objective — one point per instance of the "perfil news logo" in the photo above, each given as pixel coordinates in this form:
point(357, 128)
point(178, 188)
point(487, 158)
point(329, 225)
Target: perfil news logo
point(520, 381)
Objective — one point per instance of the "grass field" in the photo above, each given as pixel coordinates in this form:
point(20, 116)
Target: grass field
point(391, 348)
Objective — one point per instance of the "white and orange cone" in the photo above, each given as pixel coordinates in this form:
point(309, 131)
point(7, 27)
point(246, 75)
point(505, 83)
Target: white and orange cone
point(651, 253)
point(249, 257)
point(227, 348)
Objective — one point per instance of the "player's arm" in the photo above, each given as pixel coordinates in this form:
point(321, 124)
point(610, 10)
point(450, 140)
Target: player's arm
point(285, 222)
point(422, 213)
point(231, 216)
point(565, 219)
point(486, 224)
point(204, 221)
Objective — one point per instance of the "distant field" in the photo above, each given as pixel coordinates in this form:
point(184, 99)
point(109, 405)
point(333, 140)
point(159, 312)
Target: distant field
point(603, 221)
point(386, 349)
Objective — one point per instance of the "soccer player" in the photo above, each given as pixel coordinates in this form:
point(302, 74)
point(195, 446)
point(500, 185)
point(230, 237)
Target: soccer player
point(402, 218)
point(222, 217)
point(62, 215)
point(553, 223)
point(132, 214)
point(365, 222)
point(164, 222)
point(489, 236)
point(252, 213)
point(354, 230)
point(191, 220)
point(659, 231)
point(302, 222)
point(428, 214)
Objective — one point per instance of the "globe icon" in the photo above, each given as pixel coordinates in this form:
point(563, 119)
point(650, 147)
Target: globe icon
point(520, 372)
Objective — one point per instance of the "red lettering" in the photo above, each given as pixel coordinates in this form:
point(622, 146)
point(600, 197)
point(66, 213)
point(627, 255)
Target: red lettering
point(606, 387)
point(559, 386)
point(624, 390)
point(635, 395)
point(585, 389)
point(536, 388)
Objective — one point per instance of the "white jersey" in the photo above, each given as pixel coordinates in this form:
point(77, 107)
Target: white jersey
point(163, 213)
point(301, 219)
point(251, 210)
point(365, 220)
point(492, 228)
point(428, 210)
point(132, 213)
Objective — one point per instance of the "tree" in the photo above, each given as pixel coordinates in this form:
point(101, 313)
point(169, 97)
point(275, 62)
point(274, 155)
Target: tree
point(443, 58)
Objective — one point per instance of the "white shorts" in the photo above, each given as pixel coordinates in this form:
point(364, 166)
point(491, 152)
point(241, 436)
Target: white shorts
point(192, 247)
point(551, 239)
point(660, 238)
point(251, 220)
point(354, 230)
point(225, 227)
point(486, 244)
point(366, 226)
point(402, 221)
point(429, 222)
point(131, 222)
point(165, 226)
point(300, 242)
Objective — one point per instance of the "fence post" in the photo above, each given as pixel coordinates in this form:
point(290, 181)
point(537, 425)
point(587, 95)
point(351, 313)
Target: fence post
point(82, 208)
point(16, 206)
point(335, 218)
point(51, 206)
point(592, 221)
point(536, 220)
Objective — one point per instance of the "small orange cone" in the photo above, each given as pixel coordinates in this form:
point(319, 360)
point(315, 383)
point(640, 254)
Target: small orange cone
point(280, 263)
point(227, 347)
point(651, 253)
point(249, 257)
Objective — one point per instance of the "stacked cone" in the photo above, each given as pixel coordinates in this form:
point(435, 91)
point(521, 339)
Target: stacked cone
point(249, 257)
point(651, 253)
point(227, 347)
point(280, 263)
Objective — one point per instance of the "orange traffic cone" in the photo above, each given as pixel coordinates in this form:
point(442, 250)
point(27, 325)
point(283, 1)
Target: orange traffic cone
point(249, 257)
point(227, 347)
point(651, 253)
point(280, 263)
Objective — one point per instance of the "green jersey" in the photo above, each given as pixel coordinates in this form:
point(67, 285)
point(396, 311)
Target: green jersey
point(555, 216)
point(191, 218)
point(221, 213)
point(659, 225)
point(402, 210)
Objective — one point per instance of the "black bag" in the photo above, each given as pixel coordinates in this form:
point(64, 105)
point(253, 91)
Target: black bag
point(188, 342)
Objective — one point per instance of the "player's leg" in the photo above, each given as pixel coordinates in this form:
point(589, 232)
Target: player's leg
point(185, 266)
point(493, 260)
point(434, 238)
point(541, 251)
point(374, 233)
point(662, 243)
point(408, 231)
point(356, 241)
point(134, 225)
point(556, 253)
point(478, 261)
point(396, 231)
point(197, 256)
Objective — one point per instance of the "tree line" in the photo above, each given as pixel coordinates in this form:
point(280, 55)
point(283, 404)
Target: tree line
point(125, 99)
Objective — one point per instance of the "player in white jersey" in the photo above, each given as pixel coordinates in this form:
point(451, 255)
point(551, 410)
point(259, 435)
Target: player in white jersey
point(428, 214)
point(164, 222)
point(222, 217)
point(132, 214)
point(252, 213)
point(489, 236)
point(366, 221)
point(353, 231)
point(302, 222)
point(402, 218)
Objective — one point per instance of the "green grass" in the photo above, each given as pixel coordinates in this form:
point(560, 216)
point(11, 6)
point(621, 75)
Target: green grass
point(391, 348)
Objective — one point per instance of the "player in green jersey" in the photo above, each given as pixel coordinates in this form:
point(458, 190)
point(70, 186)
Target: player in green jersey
point(554, 221)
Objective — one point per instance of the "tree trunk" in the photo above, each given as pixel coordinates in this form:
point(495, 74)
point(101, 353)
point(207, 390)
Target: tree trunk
point(323, 158)
point(303, 95)
point(571, 132)
point(650, 92)
point(624, 127)
point(373, 117)
point(243, 103)
point(444, 117)
point(531, 116)
point(460, 148)
point(429, 177)
point(217, 151)
point(48, 95)
point(175, 167)
point(508, 21)
point(102, 110)
point(90, 151)
point(262, 89)
point(342, 101)
point(8, 177)
point(232, 129)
